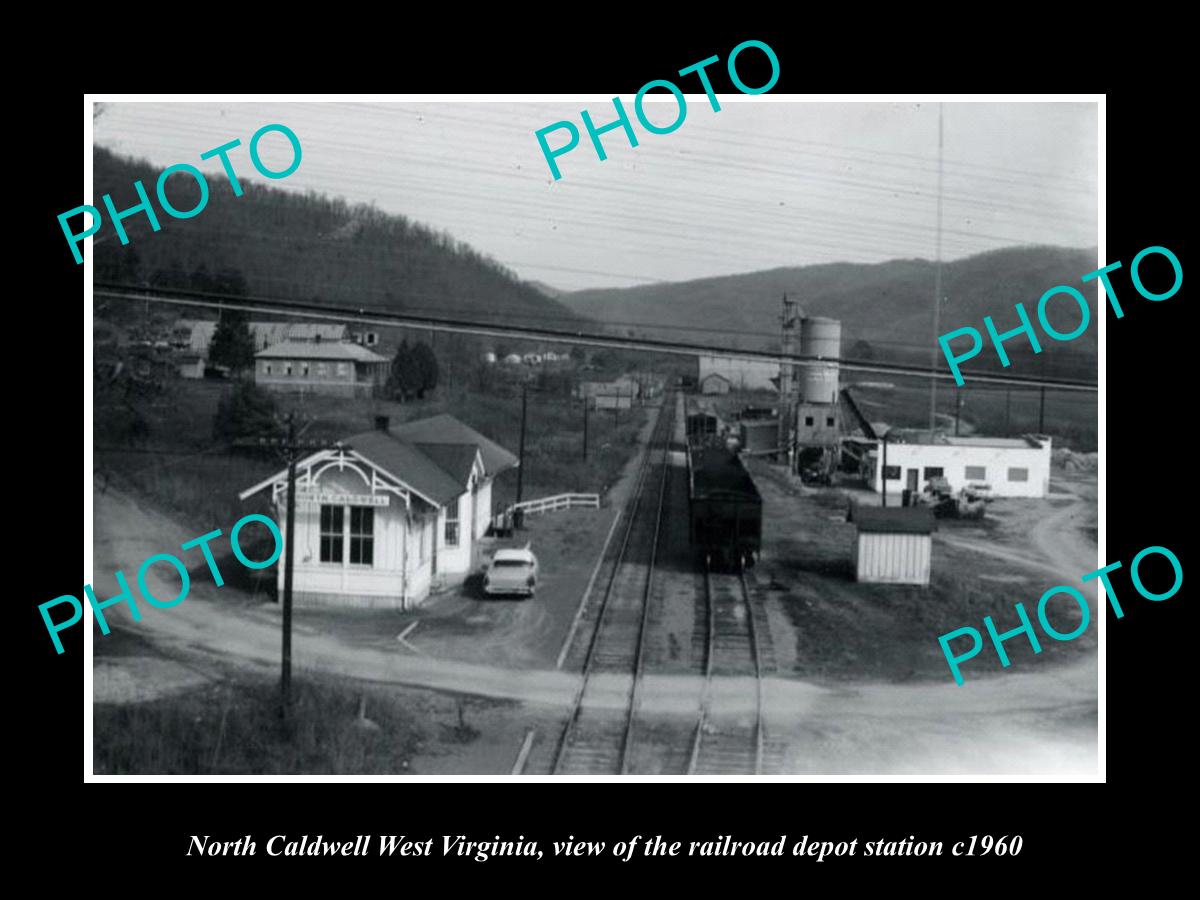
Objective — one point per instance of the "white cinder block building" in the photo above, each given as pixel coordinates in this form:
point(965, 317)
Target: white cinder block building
point(1014, 467)
point(390, 516)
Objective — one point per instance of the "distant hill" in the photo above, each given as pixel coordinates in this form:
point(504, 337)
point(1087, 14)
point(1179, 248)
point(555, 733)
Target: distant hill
point(887, 305)
point(279, 244)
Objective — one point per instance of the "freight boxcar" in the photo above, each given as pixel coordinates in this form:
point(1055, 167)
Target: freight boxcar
point(702, 428)
point(725, 508)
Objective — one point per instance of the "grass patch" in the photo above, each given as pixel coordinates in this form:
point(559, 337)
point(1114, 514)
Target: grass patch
point(235, 728)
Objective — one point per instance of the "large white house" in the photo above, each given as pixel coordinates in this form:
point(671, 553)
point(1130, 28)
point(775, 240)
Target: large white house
point(1014, 467)
point(391, 515)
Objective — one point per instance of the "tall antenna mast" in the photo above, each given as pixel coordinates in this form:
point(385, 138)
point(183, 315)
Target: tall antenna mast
point(937, 290)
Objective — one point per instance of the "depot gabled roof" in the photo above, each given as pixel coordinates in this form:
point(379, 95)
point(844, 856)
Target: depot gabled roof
point(434, 457)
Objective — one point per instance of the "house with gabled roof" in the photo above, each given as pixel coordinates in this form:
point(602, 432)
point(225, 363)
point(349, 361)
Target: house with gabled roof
point(389, 515)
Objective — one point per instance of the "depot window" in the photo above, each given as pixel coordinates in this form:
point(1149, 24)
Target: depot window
point(976, 473)
point(891, 473)
point(332, 519)
point(362, 535)
point(1018, 474)
point(934, 472)
point(808, 420)
point(452, 524)
point(829, 421)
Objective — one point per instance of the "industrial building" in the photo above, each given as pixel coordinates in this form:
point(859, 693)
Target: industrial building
point(894, 544)
point(196, 335)
point(714, 383)
point(392, 515)
point(339, 368)
point(741, 374)
point(1013, 467)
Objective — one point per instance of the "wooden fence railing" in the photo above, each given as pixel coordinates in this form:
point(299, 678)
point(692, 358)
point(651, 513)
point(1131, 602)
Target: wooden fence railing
point(547, 504)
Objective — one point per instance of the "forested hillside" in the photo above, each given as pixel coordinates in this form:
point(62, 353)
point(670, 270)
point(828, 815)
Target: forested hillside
point(280, 244)
point(886, 309)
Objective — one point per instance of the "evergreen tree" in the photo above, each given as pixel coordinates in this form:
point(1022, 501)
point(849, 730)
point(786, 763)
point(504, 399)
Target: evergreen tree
point(426, 365)
point(232, 343)
point(407, 376)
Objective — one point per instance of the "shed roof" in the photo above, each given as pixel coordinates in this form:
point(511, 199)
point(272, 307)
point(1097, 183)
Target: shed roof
point(337, 350)
point(893, 519)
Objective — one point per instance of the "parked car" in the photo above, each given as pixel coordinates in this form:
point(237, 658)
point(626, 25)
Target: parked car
point(511, 572)
point(978, 490)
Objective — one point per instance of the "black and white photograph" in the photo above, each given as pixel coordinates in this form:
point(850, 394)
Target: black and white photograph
point(684, 435)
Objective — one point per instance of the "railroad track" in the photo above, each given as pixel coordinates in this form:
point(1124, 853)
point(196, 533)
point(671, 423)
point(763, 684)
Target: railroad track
point(596, 739)
point(729, 738)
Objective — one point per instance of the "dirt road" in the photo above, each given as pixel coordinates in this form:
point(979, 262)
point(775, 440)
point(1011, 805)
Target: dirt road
point(1041, 721)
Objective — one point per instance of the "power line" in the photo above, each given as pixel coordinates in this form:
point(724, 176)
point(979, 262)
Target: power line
point(362, 315)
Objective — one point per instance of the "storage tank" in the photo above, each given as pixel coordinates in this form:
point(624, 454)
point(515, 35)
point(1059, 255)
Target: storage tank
point(820, 337)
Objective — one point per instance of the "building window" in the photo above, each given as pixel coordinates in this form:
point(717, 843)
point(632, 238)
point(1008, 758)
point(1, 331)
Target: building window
point(934, 472)
point(891, 473)
point(331, 533)
point(829, 421)
point(452, 524)
point(342, 370)
point(976, 473)
point(304, 369)
point(322, 369)
point(362, 535)
point(808, 420)
point(1018, 474)
point(266, 368)
point(287, 368)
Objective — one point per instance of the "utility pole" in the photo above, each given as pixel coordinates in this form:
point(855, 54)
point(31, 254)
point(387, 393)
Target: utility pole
point(884, 480)
point(937, 290)
point(521, 451)
point(957, 409)
point(291, 446)
point(285, 681)
point(1042, 411)
point(585, 427)
point(787, 328)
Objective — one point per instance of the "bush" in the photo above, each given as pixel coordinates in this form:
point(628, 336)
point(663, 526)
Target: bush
point(246, 412)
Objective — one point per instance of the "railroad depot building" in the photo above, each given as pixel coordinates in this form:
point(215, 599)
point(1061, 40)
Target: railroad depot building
point(390, 516)
point(1014, 467)
point(339, 368)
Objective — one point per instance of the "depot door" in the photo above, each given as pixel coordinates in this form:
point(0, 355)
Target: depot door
point(912, 479)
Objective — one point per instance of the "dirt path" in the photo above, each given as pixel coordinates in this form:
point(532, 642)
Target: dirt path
point(1037, 721)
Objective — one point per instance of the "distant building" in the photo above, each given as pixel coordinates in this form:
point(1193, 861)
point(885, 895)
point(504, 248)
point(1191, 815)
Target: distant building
point(1014, 467)
point(191, 365)
point(338, 367)
point(365, 338)
point(741, 374)
point(894, 544)
point(532, 359)
point(393, 515)
point(513, 359)
point(714, 383)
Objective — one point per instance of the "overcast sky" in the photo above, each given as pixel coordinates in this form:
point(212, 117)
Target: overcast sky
point(764, 182)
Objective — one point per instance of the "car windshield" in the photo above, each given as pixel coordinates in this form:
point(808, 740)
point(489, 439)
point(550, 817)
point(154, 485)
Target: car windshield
point(511, 563)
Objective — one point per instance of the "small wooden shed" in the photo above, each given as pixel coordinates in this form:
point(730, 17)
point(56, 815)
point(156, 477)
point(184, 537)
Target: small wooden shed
point(894, 543)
